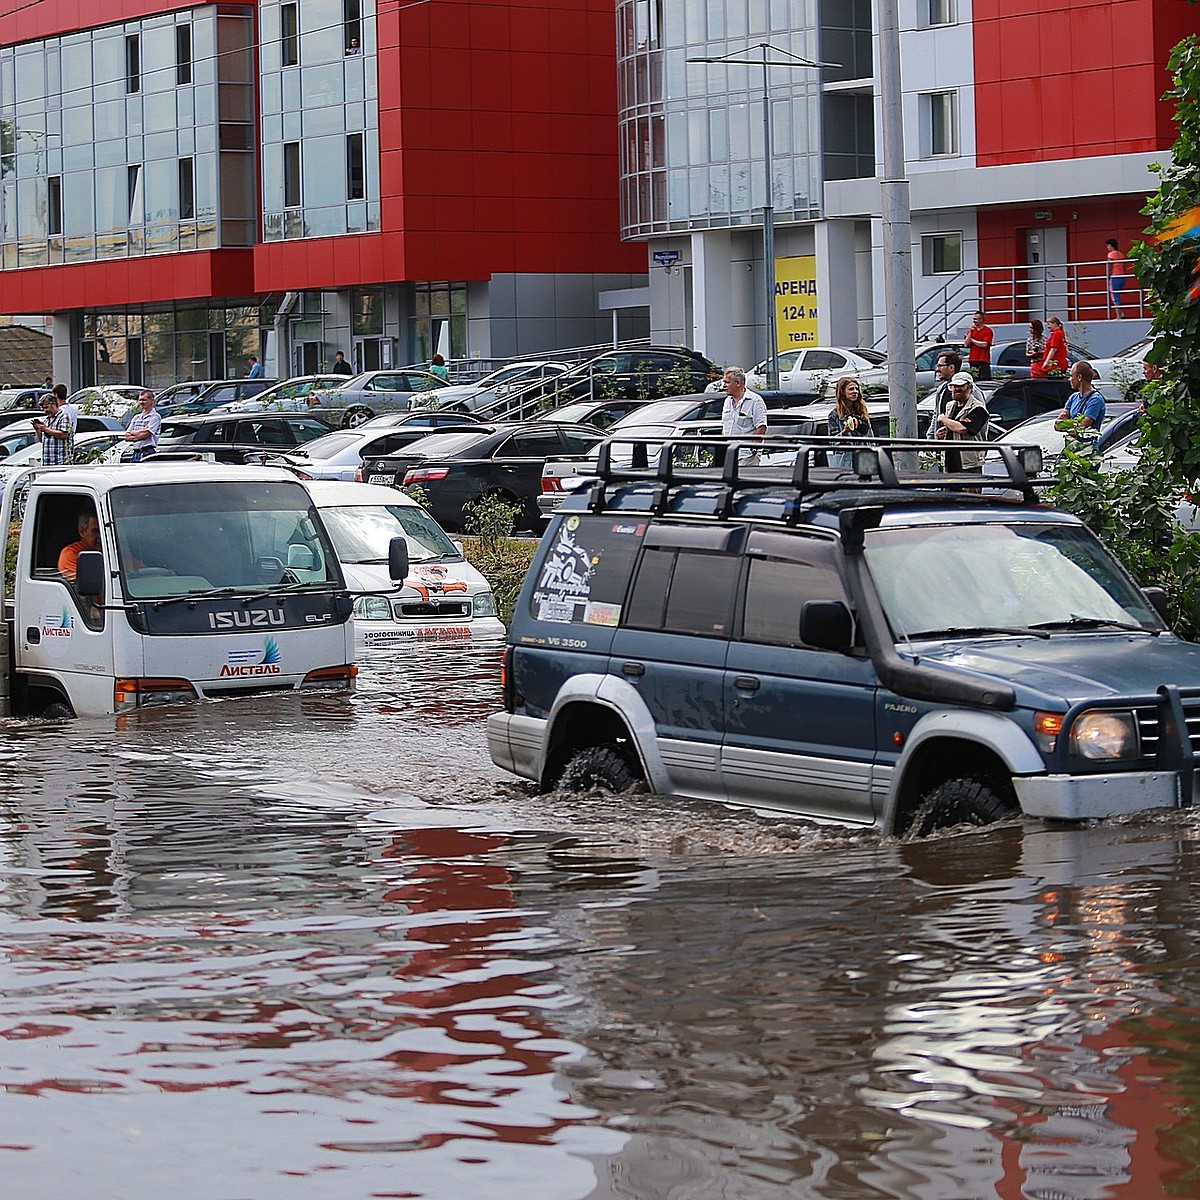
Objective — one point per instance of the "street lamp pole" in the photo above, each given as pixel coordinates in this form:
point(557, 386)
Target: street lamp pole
point(741, 58)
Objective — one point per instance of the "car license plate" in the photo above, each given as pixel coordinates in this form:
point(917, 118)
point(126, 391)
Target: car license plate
point(384, 479)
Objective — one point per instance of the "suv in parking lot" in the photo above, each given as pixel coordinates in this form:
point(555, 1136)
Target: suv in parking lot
point(880, 648)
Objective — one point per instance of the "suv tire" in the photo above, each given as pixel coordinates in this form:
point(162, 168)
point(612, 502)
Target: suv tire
point(602, 767)
point(967, 801)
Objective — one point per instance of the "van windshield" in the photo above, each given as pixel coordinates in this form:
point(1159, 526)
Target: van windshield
point(935, 580)
point(362, 533)
point(174, 539)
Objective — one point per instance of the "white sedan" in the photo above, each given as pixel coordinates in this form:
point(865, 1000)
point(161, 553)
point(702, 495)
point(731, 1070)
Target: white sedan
point(809, 369)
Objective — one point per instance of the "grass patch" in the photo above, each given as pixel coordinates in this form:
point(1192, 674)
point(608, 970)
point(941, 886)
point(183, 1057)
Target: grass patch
point(503, 562)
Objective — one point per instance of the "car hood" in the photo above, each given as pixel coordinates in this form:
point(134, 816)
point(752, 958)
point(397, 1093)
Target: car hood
point(445, 574)
point(1045, 672)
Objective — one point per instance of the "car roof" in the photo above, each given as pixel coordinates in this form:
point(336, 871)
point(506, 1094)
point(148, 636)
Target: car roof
point(332, 493)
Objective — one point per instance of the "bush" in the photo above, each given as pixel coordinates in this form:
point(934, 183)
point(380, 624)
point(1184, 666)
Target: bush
point(503, 562)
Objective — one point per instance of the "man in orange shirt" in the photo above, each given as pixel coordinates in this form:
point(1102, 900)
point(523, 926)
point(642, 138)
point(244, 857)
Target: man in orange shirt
point(979, 347)
point(89, 539)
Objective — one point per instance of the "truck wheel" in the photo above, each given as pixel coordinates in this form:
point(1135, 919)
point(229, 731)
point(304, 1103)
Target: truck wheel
point(602, 767)
point(968, 801)
point(355, 417)
point(56, 712)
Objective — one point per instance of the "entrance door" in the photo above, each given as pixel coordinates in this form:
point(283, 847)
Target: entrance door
point(1046, 260)
point(367, 356)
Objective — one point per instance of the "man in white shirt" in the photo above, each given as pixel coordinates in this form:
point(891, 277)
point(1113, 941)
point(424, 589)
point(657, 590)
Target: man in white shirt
point(744, 412)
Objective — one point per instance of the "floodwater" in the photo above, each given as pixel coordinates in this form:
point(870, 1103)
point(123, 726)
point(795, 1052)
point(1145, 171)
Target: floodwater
point(321, 948)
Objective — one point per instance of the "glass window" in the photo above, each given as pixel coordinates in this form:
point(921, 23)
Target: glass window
point(133, 176)
point(133, 64)
point(291, 175)
point(775, 592)
point(941, 254)
point(187, 189)
point(702, 593)
point(289, 33)
point(939, 124)
point(355, 173)
point(585, 574)
point(352, 26)
point(54, 215)
point(183, 54)
point(940, 12)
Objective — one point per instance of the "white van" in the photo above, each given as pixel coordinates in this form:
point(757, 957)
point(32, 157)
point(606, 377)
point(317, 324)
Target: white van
point(441, 599)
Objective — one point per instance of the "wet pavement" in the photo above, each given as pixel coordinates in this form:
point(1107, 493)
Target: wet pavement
point(320, 947)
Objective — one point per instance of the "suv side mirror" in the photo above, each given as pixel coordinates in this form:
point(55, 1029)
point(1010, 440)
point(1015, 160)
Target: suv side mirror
point(1158, 601)
point(827, 625)
point(89, 573)
point(397, 559)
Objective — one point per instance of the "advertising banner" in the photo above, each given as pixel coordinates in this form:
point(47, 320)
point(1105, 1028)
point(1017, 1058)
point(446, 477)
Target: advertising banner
point(796, 301)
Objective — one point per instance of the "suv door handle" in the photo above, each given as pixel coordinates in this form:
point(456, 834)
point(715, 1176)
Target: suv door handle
point(747, 683)
point(635, 670)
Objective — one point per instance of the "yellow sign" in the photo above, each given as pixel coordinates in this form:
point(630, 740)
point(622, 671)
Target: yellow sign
point(796, 301)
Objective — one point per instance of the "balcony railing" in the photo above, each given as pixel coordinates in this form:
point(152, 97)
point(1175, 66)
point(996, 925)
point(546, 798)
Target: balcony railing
point(1077, 293)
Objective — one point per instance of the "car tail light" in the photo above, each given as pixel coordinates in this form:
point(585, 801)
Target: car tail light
point(425, 474)
point(359, 477)
point(506, 681)
point(551, 483)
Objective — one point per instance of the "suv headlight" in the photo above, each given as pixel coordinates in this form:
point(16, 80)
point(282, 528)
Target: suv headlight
point(483, 605)
point(1104, 735)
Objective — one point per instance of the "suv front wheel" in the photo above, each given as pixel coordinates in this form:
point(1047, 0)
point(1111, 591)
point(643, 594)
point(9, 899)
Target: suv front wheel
point(968, 801)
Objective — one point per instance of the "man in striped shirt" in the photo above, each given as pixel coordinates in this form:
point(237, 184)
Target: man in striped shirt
point(57, 434)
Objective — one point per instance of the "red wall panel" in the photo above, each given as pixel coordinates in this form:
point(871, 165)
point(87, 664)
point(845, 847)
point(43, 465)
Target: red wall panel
point(1073, 78)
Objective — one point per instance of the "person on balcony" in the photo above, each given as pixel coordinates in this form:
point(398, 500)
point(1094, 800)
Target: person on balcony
point(1118, 276)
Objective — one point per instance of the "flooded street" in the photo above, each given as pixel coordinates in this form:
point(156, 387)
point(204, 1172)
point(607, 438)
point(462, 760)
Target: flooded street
point(322, 948)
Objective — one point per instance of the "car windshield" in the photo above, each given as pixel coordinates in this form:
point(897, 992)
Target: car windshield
point(661, 410)
point(570, 412)
point(937, 579)
point(181, 538)
point(361, 533)
point(1038, 432)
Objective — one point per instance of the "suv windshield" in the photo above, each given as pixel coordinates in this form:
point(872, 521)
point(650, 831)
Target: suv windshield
point(361, 533)
point(935, 580)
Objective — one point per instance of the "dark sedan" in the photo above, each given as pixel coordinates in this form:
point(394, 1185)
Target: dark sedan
point(1016, 400)
point(231, 437)
point(504, 460)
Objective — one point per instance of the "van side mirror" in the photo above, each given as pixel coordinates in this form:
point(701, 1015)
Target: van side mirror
point(827, 625)
point(397, 559)
point(89, 573)
point(1158, 601)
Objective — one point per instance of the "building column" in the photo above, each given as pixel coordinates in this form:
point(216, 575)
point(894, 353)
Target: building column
point(719, 316)
point(837, 283)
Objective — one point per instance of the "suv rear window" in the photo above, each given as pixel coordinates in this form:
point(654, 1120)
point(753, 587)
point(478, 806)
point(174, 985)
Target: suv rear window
point(583, 577)
point(685, 591)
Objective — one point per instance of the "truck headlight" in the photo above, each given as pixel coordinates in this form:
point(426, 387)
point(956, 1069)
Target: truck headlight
point(372, 608)
point(483, 605)
point(1102, 735)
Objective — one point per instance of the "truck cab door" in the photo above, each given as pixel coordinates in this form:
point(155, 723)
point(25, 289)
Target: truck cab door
point(60, 635)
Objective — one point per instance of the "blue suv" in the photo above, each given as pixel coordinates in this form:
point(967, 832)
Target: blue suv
point(880, 646)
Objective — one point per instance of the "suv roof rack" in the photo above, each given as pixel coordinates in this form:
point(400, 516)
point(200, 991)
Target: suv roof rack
point(738, 464)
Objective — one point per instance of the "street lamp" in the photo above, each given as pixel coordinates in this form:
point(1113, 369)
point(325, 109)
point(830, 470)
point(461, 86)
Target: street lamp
point(750, 58)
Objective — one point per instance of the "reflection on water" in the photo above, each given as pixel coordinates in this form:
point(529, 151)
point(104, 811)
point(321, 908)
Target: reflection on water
point(317, 946)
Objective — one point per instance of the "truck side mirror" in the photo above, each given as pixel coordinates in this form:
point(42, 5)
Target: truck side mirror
point(1158, 601)
point(397, 559)
point(89, 573)
point(827, 625)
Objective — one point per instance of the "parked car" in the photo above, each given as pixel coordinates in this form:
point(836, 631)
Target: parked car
point(808, 370)
point(215, 394)
point(14, 438)
point(501, 459)
point(898, 657)
point(422, 420)
point(600, 413)
point(90, 445)
point(1125, 367)
point(442, 598)
point(22, 397)
point(645, 373)
point(1119, 426)
point(471, 397)
point(228, 438)
point(1008, 362)
point(107, 400)
point(288, 395)
point(359, 397)
point(339, 454)
point(1016, 400)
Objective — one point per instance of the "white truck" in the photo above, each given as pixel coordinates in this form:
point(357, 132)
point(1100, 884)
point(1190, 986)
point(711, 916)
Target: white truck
point(207, 581)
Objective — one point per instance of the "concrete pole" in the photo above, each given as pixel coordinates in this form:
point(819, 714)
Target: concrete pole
point(897, 232)
point(769, 228)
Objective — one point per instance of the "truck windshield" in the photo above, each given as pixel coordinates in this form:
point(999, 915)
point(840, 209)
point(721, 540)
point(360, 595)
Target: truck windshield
point(362, 532)
point(192, 537)
point(942, 579)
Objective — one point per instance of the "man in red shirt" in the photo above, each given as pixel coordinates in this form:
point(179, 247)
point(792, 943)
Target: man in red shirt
point(979, 347)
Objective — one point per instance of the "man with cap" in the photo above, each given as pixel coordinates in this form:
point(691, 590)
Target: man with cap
point(965, 420)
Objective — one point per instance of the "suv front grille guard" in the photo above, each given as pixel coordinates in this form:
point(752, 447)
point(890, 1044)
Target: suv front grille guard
point(735, 464)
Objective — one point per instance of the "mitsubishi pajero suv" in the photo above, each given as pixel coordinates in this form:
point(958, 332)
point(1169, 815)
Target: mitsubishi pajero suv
point(881, 646)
